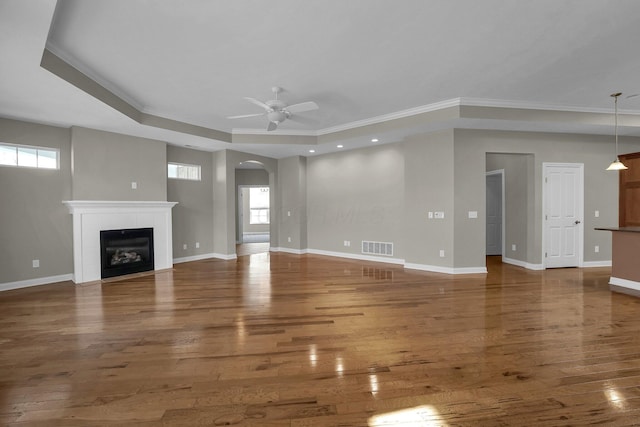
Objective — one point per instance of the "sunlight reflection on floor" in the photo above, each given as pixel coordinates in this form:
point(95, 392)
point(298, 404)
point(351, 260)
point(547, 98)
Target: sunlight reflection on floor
point(418, 416)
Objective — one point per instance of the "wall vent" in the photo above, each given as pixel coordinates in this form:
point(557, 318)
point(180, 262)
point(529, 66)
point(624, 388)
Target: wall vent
point(377, 248)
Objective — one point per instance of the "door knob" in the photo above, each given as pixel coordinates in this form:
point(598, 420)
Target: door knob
point(577, 221)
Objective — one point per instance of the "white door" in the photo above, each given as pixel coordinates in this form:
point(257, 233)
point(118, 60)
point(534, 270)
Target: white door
point(494, 213)
point(563, 197)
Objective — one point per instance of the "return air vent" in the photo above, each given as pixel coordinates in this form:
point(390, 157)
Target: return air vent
point(377, 248)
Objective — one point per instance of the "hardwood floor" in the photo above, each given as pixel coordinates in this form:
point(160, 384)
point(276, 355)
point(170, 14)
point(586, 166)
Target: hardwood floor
point(286, 340)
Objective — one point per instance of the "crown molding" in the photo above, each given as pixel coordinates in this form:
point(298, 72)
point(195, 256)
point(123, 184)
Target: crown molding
point(392, 116)
point(522, 105)
point(283, 132)
point(73, 62)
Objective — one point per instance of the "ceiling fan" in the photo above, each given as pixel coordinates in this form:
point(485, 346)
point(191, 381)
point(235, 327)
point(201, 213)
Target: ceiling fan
point(277, 111)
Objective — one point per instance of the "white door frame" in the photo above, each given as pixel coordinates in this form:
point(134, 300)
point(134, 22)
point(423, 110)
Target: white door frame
point(501, 173)
point(580, 202)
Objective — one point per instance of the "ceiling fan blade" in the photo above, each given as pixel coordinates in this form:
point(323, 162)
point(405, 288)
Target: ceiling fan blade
point(272, 126)
point(302, 107)
point(245, 116)
point(258, 103)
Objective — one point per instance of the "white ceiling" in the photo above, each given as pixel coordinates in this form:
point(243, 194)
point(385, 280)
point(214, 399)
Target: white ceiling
point(193, 61)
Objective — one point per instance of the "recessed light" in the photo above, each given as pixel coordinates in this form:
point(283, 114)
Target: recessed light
point(340, 146)
point(374, 140)
point(312, 151)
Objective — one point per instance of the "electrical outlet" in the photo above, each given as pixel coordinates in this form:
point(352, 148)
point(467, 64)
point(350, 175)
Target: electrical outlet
point(197, 245)
point(347, 242)
point(513, 247)
point(289, 239)
point(35, 263)
point(288, 213)
point(184, 246)
point(597, 214)
point(596, 249)
point(134, 185)
point(438, 215)
point(473, 214)
point(441, 253)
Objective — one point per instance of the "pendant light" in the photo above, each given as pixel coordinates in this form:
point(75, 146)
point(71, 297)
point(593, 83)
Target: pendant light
point(616, 165)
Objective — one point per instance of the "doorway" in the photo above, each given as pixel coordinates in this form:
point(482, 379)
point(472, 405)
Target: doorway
point(254, 214)
point(495, 213)
point(563, 201)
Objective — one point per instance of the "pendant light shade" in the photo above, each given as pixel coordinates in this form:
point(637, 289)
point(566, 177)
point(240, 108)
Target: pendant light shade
point(616, 165)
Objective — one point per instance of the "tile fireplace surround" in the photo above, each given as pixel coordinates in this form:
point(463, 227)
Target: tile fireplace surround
point(90, 217)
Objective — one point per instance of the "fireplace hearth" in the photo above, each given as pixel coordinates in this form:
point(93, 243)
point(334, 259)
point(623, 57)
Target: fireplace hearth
point(126, 251)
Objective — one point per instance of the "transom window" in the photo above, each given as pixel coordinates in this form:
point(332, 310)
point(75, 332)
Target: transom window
point(259, 205)
point(183, 171)
point(29, 156)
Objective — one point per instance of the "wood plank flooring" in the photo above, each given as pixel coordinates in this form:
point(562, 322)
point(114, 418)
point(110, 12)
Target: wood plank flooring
point(305, 341)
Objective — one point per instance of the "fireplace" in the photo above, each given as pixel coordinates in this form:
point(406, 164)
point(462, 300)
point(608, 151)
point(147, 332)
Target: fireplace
point(126, 251)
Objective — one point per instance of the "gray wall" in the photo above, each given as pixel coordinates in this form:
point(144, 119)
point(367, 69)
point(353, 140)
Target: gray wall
point(428, 187)
point(355, 195)
point(601, 187)
point(193, 215)
point(292, 187)
point(35, 223)
point(105, 164)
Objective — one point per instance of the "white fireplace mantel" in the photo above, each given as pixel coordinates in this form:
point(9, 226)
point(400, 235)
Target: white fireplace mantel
point(92, 216)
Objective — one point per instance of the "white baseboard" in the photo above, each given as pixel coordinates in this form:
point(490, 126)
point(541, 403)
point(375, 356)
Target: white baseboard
point(35, 282)
point(589, 264)
point(524, 264)
point(624, 283)
point(356, 256)
point(446, 270)
point(289, 250)
point(226, 257)
point(193, 258)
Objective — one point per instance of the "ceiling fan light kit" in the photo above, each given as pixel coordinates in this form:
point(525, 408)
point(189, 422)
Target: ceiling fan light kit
point(276, 110)
point(616, 165)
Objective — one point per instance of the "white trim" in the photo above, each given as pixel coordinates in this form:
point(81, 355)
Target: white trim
point(590, 264)
point(523, 105)
point(281, 132)
point(455, 102)
point(356, 256)
point(523, 264)
point(289, 250)
point(624, 283)
point(92, 216)
point(81, 206)
point(193, 258)
point(35, 282)
point(445, 270)
point(226, 257)
point(431, 268)
point(470, 270)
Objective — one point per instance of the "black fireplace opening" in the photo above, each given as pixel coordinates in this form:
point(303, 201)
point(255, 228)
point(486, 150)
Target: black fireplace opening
point(126, 251)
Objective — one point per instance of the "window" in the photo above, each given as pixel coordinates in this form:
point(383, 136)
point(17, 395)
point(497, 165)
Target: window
point(183, 171)
point(29, 157)
point(259, 205)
